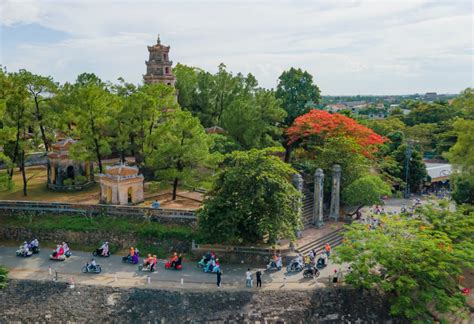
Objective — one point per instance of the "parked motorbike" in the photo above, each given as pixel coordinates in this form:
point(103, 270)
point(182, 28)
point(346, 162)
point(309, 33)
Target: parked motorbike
point(294, 266)
point(98, 252)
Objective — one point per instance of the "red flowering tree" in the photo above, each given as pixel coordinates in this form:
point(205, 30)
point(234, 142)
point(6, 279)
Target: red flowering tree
point(317, 126)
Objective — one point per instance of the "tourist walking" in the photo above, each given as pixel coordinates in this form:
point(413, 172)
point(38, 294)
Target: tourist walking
point(248, 279)
point(219, 274)
point(258, 274)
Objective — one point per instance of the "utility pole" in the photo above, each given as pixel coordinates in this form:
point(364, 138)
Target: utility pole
point(408, 153)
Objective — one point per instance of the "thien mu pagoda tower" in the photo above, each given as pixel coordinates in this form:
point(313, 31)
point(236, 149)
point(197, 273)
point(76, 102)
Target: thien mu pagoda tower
point(158, 67)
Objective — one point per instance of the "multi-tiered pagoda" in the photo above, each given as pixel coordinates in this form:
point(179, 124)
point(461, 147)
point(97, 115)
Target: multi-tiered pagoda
point(158, 67)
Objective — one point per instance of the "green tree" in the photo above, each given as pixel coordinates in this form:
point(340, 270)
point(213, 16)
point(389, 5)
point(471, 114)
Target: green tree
point(415, 260)
point(416, 170)
point(41, 89)
point(385, 126)
point(248, 114)
point(364, 191)
point(178, 149)
point(138, 114)
point(252, 198)
point(297, 92)
point(430, 113)
point(462, 156)
point(336, 150)
point(253, 121)
point(296, 89)
point(94, 109)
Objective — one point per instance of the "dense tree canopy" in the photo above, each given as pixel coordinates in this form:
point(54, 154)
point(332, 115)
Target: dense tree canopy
point(415, 260)
point(248, 114)
point(177, 147)
point(367, 190)
point(252, 198)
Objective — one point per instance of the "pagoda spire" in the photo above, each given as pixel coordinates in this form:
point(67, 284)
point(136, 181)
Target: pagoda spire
point(158, 41)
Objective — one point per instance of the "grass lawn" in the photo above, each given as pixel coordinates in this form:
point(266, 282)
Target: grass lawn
point(37, 191)
point(142, 230)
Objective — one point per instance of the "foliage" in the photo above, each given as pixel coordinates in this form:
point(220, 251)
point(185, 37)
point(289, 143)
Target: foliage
point(415, 260)
point(416, 168)
point(3, 277)
point(462, 156)
point(364, 191)
point(318, 125)
point(296, 90)
point(93, 109)
point(249, 114)
point(223, 144)
point(335, 150)
point(385, 126)
point(430, 113)
point(252, 198)
point(177, 147)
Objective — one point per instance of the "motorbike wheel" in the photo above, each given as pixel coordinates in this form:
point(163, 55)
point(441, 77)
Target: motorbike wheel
point(98, 269)
point(84, 269)
point(94, 253)
point(316, 274)
point(140, 267)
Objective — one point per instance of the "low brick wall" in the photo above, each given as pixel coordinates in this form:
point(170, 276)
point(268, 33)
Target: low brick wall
point(33, 301)
point(165, 216)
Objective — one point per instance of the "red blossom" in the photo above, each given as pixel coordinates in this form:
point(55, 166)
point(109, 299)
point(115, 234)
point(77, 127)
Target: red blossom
point(324, 125)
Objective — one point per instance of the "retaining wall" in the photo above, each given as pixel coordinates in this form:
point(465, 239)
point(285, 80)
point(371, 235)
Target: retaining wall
point(34, 301)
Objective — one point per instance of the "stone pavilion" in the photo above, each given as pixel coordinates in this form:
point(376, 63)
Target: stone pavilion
point(64, 173)
point(121, 185)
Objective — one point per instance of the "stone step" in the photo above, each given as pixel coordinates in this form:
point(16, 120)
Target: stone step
point(334, 238)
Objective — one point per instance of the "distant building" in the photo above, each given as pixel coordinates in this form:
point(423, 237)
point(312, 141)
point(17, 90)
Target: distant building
point(158, 67)
point(335, 107)
point(431, 96)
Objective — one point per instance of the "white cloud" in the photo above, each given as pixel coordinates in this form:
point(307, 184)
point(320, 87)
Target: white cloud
point(349, 46)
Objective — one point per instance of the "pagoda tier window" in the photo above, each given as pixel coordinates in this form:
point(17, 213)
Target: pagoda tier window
point(167, 70)
point(165, 57)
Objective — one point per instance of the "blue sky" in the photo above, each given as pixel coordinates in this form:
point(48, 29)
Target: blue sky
point(350, 47)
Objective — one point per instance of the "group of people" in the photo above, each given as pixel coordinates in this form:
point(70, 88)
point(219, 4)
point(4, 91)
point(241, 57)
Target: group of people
point(312, 259)
point(150, 262)
point(27, 249)
point(210, 263)
point(60, 250)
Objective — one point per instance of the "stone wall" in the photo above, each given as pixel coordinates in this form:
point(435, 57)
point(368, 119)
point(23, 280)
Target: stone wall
point(34, 301)
point(165, 216)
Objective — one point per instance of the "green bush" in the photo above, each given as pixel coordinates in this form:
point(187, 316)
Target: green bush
point(68, 182)
point(80, 179)
point(3, 277)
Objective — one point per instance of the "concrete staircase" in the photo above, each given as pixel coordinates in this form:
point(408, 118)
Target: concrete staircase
point(307, 208)
point(334, 239)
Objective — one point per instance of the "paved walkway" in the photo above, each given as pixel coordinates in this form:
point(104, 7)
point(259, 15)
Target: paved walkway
point(115, 273)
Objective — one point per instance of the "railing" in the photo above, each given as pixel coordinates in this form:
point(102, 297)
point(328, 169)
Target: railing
point(97, 209)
